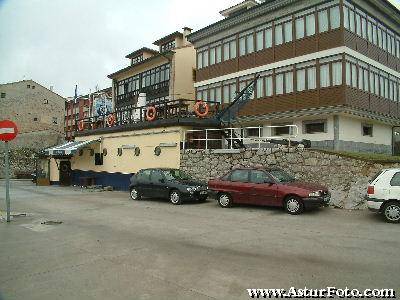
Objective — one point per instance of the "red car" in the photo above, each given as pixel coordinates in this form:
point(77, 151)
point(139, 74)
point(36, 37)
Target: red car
point(269, 187)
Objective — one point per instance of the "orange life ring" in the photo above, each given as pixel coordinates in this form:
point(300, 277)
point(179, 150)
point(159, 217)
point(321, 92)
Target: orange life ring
point(151, 113)
point(81, 125)
point(205, 107)
point(110, 120)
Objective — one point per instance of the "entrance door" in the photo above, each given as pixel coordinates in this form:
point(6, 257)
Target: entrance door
point(396, 140)
point(65, 172)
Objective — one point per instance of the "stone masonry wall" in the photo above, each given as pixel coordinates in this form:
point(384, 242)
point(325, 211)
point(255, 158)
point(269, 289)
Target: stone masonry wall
point(346, 178)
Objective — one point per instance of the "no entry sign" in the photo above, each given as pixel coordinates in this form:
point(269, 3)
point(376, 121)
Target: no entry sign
point(8, 130)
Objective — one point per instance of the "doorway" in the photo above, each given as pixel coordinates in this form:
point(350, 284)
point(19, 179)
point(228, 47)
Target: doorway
point(65, 173)
point(396, 140)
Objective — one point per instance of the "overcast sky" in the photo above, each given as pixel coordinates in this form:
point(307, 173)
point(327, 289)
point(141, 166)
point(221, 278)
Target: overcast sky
point(68, 42)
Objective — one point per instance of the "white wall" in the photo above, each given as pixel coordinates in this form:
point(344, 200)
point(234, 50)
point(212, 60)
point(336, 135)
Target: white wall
point(350, 130)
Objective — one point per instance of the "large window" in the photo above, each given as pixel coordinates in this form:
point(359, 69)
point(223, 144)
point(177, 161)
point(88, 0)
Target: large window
point(229, 50)
point(264, 85)
point(246, 44)
point(283, 33)
point(283, 81)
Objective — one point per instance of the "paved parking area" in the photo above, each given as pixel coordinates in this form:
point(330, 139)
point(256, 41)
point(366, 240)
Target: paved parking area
point(109, 247)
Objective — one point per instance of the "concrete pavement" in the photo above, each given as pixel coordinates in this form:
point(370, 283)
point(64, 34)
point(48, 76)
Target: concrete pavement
point(109, 247)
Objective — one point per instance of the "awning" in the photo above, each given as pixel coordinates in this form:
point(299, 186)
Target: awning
point(69, 148)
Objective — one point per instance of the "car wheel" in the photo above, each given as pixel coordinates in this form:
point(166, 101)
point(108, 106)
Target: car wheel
point(134, 194)
point(293, 205)
point(224, 200)
point(175, 197)
point(392, 212)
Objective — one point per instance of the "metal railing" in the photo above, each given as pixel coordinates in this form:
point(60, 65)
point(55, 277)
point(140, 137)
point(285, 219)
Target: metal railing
point(171, 109)
point(224, 138)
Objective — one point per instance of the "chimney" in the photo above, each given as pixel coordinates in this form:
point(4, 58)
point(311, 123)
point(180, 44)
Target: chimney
point(186, 31)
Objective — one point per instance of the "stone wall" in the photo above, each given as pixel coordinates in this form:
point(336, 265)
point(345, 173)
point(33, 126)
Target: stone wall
point(346, 178)
point(22, 162)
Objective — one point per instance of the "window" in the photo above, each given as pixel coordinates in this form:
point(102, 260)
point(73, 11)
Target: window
point(250, 43)
point(337, 73)
point(288, 82)
point(260, 87)
point(240, 176)
point(323, 20)
point(33, 87)
point(253, 132)
point(324, 76)
point(310, 25)
point(199, 60)
point(279, 84)
point(218, 53)
point(212, 56)
point(98, 159)
point(367, 129)
point(278, 34)
point(312, 78)
point(268, 86)
point(299, 24)
point(3, 95)
point(354, 76)
point(35, 119)
point(316, 126)
point(282, 129)
point(301, 80)
point(257, 176)
point(232, 46)
point(54, 120)
point(156, 176)
point(268, 38)
point(167, 46)
point(143, 176)
point(28, 86)
point(287, 31)
point(242, 46)
point(259, 40)
point(335, 17)
point(395, 180)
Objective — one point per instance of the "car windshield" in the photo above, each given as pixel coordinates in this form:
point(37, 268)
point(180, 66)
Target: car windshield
point(281, 176)
point(176, 175)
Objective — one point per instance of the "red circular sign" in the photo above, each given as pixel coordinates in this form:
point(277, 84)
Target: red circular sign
point(8, 130)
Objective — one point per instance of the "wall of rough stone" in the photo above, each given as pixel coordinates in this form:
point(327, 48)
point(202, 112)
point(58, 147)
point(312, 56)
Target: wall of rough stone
point(346, 178)
point(22, 162)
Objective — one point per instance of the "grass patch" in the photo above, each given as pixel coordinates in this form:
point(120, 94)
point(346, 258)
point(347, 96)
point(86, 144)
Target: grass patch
point(372, 157)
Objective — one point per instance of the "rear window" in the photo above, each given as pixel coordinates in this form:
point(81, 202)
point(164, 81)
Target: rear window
point(375, 177)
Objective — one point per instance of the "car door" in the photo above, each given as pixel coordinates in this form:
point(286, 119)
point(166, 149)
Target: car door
point(264, 188)
point(158, 185)
point(240, 186)
point(395, 186)
point(143, 183)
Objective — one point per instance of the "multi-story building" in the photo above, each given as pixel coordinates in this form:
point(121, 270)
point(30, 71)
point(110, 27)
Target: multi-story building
point(37, 111)
point(329, 67)
point(157, 76)
point(82, 107)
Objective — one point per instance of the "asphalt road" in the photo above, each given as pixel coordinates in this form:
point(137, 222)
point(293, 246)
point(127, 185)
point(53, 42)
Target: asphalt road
point(109, 247)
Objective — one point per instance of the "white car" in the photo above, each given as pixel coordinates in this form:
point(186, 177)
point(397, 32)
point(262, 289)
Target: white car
point(383, 194)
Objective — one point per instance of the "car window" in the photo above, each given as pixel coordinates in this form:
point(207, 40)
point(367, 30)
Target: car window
point(144, 176)
point(281, 176)
point(175, 174)
point(240, 176)
point(257, 176)
point(375, 177)
point(395, 180)
point(156, 176)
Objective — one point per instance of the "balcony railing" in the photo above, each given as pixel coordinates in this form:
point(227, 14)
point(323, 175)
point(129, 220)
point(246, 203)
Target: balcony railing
point(173, 109)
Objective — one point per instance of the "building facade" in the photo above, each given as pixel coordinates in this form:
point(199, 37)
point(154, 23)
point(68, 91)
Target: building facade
point(84, 107)
point(156, 76)
point(329, 67)
point(37, 111)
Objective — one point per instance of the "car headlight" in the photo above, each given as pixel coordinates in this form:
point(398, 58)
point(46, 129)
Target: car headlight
point(192, 189)
point(315, 194)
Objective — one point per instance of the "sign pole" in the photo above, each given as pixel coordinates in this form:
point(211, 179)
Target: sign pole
point(7, 167)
